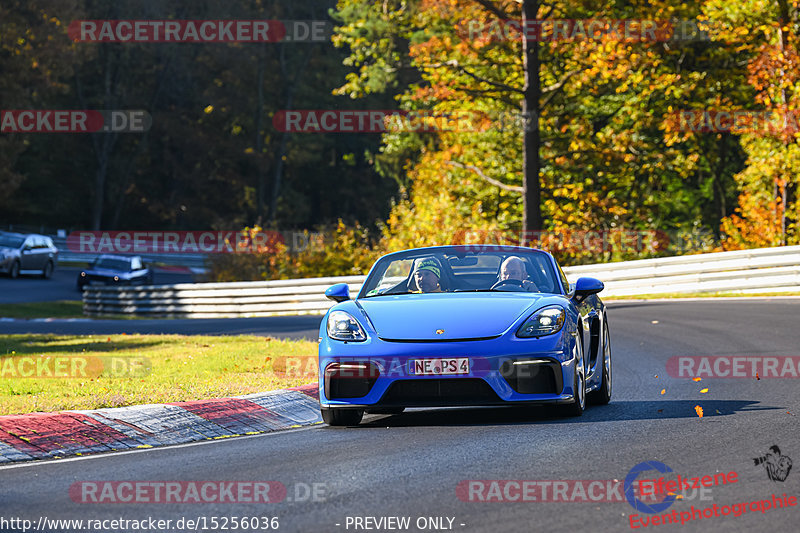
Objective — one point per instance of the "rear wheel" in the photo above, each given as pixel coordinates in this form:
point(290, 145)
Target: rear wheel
point(578, 404)
point(13, 272)
point(47, 271)
point(602, 395)
point(342, 417)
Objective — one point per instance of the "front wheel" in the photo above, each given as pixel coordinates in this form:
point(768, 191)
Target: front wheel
point(47, 271)
point(578, 404)
point(342, 417)
point(602, 395)
point(13, 272)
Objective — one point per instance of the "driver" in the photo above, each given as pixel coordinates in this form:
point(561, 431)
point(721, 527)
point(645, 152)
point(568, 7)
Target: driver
point(426, 275)
point(514, 268)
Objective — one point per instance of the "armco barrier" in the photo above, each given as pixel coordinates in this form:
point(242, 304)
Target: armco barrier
point(217, 300)
point(760, 270)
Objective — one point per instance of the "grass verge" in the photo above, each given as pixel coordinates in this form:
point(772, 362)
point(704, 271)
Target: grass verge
point(42, 373)
point(59, 309)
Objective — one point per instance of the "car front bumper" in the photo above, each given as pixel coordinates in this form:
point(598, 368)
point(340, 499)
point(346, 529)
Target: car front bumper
point(103, 280)
point(5, 263)
point(503, 371)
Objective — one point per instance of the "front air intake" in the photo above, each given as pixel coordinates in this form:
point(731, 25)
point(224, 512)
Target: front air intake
point(349, 379)
point(533, 376)
point(439, 393)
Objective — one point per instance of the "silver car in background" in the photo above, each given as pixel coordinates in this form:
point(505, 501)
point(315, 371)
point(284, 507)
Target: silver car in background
point(27, 254)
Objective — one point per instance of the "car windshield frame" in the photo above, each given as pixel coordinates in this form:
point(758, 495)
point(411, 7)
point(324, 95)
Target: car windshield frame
point(377, 276)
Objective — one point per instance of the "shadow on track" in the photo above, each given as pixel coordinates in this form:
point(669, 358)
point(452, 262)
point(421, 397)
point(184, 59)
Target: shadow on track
point(615, 411)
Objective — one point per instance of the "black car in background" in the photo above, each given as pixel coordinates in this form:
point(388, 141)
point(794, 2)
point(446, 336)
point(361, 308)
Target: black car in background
point(27, 254)
point(116, 270)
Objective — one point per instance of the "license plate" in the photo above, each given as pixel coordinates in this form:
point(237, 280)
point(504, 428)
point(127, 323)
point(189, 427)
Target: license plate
point(440, 367)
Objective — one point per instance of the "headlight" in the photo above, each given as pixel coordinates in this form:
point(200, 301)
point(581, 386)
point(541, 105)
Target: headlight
point(545, 321)
point(343, 327)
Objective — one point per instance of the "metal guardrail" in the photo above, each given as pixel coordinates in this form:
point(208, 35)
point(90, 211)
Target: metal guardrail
point(760, 270)
point(745, 271)
point(217, 300)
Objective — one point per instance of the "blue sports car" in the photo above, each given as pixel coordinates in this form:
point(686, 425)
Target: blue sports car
point(464, 325)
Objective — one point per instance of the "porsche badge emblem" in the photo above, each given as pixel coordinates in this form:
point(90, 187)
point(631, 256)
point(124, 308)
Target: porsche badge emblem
point(439, 331)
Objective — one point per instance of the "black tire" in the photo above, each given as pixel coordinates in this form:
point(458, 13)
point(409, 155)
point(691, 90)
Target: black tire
point(342, 417)
point(576, 406)
point(13, 272)
point(48, 269)
point(602, 395)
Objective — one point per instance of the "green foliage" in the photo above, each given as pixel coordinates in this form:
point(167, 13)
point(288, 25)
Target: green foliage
point(210, 159)
point(608, 159)
point(612, 156)
point(331, 251)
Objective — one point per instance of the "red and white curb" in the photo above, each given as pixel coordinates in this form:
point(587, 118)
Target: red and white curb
point(56, 435)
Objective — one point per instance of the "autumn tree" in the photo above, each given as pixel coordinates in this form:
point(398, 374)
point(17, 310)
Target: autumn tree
point(767, 34)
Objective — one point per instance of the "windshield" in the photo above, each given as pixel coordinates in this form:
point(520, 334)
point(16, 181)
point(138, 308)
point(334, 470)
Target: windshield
point(458, 269)
point(10, 241)
point(111, 263)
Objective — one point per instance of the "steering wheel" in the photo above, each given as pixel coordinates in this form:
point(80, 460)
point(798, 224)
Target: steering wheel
point(507, 282)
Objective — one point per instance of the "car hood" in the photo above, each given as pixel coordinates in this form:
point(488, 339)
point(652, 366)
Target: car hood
point(417, 317)
point(7, 249)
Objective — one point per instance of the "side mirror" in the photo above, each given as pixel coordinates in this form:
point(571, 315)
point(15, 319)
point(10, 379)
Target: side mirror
point(587, 286)
point(338, 293)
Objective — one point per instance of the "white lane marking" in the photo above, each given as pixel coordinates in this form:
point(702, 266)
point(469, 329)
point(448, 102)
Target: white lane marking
point(106, 455)
point(611, 299)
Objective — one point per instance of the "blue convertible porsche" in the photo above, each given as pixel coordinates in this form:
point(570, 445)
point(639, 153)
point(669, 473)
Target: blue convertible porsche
point(467, 325)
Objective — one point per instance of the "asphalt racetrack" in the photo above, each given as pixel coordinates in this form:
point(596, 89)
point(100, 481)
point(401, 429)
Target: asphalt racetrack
point(62, 285)
point(412, 465)
point(295, 327)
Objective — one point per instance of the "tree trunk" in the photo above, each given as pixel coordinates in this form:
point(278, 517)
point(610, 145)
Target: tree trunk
point(259, 147)
point(783, 22)
point(532, 213)
point(278, 177)
point(291, 88)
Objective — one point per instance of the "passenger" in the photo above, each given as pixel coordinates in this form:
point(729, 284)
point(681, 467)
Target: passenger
point(514, 268)
point(426, 275)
